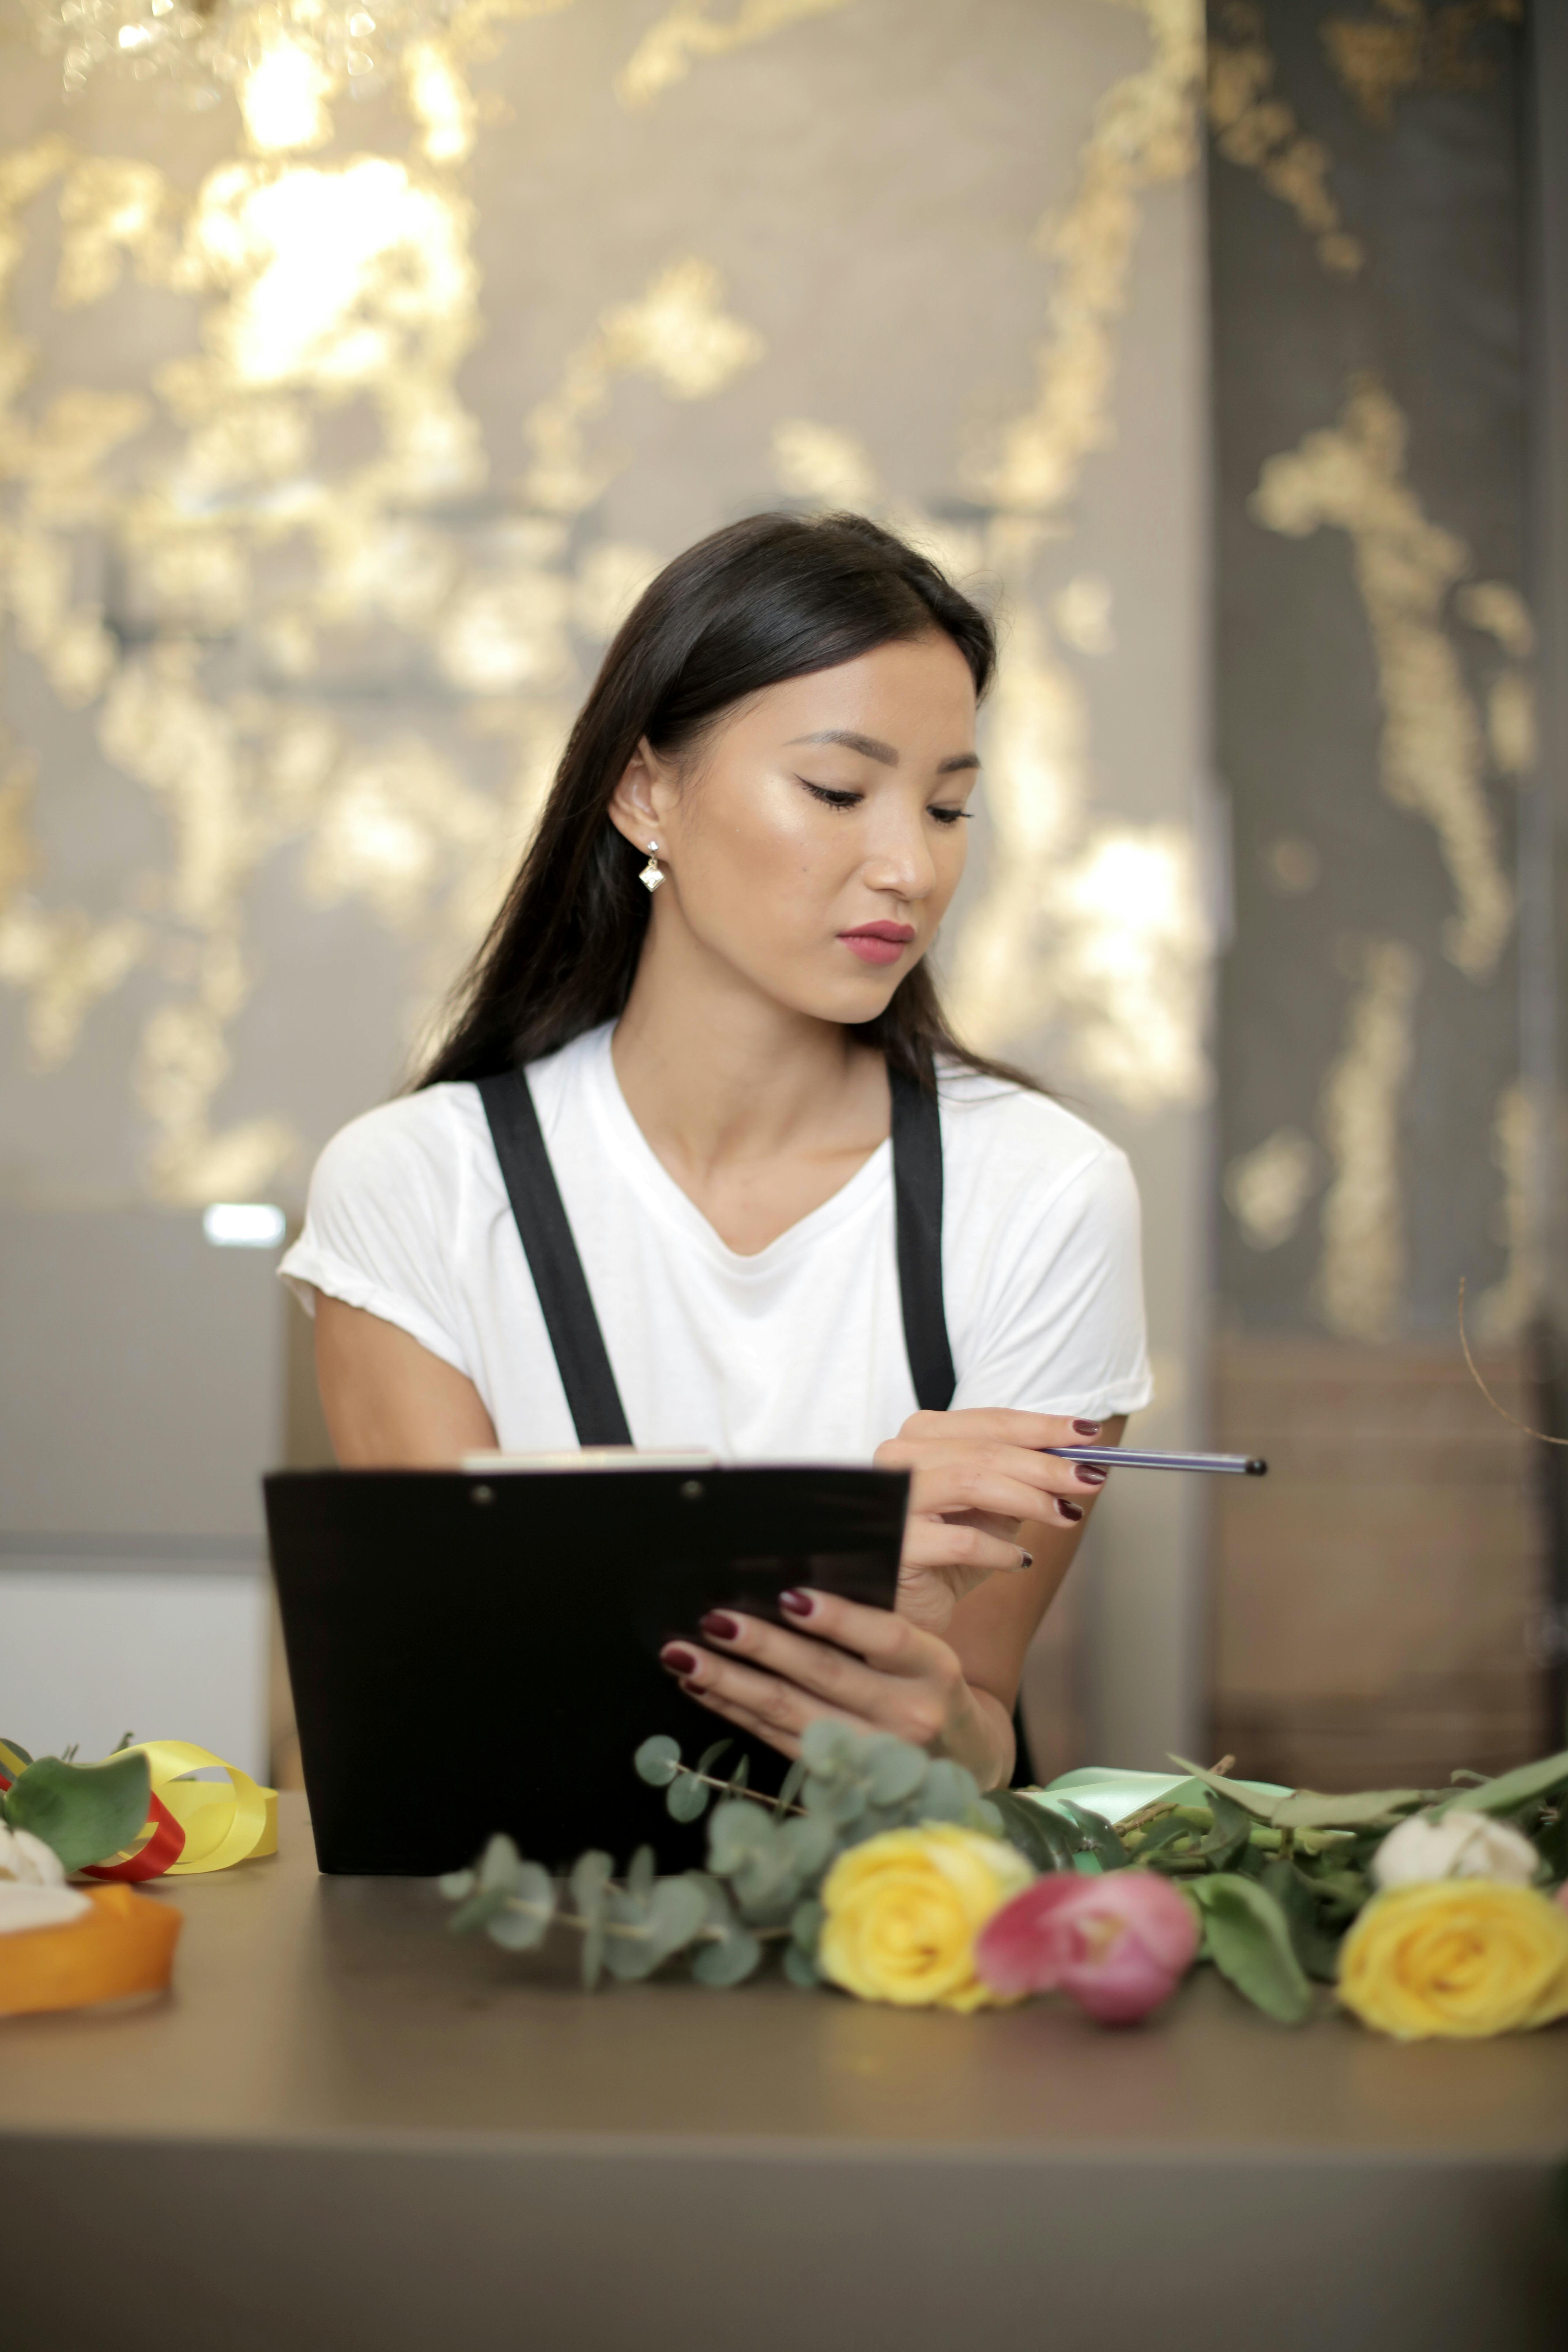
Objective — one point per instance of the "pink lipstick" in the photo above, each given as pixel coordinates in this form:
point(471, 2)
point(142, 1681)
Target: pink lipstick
point(878, 942)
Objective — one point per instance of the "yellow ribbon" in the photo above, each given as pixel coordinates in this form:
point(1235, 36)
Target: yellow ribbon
point(223, 1825)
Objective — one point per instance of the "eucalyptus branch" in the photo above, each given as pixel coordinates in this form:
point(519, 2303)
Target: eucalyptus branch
point(730, 1789)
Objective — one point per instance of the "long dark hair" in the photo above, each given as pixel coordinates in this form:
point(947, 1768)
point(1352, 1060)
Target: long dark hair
point(767, 599)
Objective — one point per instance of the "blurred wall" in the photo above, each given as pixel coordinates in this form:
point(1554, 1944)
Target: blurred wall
point(329, 467)
point(1379, 1606)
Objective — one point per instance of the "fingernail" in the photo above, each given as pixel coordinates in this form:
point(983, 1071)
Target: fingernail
point(1086, 1428)
point(1027, 1560)
point(678, 1660)
point(1090, 1474)
point(722, 1628)
point(796, 1604)
point(1068, 1510)
point(692, 1690)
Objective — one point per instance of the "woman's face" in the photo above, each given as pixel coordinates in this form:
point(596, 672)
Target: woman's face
point(818, 837)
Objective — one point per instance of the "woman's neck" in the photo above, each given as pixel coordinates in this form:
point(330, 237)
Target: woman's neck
point(759, 1113)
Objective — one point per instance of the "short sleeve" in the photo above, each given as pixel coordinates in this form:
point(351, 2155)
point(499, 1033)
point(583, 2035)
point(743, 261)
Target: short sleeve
point(1058, 1325)
point(385, 1199)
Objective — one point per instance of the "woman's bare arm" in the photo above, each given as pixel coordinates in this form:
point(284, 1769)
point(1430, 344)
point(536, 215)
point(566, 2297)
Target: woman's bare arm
point(993, 1626)
point(390, 1403)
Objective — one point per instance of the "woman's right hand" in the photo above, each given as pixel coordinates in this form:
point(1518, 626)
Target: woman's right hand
point(977, 1478)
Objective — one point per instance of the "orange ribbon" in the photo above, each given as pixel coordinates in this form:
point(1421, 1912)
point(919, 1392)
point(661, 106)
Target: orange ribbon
point(125, 1945)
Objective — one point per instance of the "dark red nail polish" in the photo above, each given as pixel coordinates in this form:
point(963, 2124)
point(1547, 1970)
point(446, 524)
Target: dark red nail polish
point(722, 1628)
point(1068, 1510)
point(796, 1604)
point(1027, 1560)
point(678, 1660)
point(1090, 1474)
point(692, 1690)
point(1086, 1428)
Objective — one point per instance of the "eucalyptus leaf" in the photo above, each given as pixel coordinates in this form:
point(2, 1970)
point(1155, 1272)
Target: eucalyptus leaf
point(630, 1951)
point(826, 1746)
point(677, 1910)
point(501, 1864)
point(455, 1884)
point(1511, 1789)
point(793, 1783)
point(841, 1802)
point(84, 1812)
point(801, 1970)
point(729, 1961)
point(766, 1888)
point(524, 1922)
point(479, 1911)
point(1247, 1937)
point(740, 1775)
point(641, 1875)
point(810, 1844)
point(686, 1800)
point(720, 1911)
point(950, 1794)
point(657, 1760)
point(591, 1875)
point(806, 1925)
point(895, 1769)
point(709, 1759)
point(737, 1832)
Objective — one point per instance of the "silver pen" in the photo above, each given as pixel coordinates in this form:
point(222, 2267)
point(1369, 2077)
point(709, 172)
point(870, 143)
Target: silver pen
point(1127, 1457)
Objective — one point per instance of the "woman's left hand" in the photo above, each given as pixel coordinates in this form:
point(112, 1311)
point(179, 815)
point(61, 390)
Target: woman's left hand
point(862, 1666)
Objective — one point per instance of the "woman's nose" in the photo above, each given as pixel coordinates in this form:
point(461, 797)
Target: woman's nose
point(902, 864)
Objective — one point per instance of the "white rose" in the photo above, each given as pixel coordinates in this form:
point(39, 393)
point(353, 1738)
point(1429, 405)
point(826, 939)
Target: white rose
point(33, 1890)
point(1461, 1846)
point(28, 1859)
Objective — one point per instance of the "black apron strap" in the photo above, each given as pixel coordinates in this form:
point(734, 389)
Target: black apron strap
point(917, 1205)
point(565, 1301)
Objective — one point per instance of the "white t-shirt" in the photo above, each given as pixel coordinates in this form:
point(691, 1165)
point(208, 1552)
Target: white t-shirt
point(793, 1353)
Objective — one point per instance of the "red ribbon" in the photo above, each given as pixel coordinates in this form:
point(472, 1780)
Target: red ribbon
point(150, 1860)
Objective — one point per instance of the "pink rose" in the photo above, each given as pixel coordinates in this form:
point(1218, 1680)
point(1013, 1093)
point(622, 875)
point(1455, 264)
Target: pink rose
point(1119, 1944)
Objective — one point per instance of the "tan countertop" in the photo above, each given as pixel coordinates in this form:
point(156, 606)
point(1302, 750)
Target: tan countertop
point(330, 2009)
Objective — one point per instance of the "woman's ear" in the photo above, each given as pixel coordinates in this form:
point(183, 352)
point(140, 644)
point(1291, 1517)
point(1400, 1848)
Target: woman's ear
point(633, 806)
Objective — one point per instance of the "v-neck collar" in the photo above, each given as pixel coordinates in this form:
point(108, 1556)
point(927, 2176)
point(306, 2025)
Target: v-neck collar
point(647, 1171)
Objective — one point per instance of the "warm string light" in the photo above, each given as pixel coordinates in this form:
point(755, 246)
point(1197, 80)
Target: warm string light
point(284, 59)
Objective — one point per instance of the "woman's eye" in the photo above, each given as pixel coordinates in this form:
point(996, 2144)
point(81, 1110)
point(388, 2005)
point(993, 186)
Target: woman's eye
point(950, 815)
point(832, 798)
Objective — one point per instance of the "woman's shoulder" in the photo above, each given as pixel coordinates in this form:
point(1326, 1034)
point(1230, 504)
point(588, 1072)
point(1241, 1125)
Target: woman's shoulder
point(1013, 1130)
point(427, 1134)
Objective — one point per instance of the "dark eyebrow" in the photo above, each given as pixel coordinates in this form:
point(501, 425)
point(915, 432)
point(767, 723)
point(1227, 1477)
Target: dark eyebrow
point(870, 749)
point(867, 745)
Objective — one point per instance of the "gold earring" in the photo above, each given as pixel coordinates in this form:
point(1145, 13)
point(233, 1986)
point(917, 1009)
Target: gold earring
point(652, 873)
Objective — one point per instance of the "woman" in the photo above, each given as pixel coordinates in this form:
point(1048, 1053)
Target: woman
point(712, 967)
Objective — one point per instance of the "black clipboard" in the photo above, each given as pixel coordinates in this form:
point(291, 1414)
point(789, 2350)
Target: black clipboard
point(478, 1650)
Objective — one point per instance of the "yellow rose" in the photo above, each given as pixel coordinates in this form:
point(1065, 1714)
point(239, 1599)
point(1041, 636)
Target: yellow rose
point(1457, 1957)
point(903, 1911)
